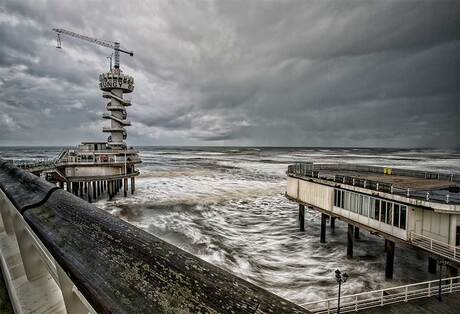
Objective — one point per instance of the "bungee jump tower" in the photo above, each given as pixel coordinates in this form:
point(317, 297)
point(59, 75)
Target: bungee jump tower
point(97, 168)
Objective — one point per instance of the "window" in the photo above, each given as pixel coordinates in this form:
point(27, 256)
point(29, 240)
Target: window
point(366, 206)
point(376, 209)
point(383, 211)
point(360, 204)
point(389, 218)
point(402, 221)
point(396, 215)
point(342, 204)
point(372, 208)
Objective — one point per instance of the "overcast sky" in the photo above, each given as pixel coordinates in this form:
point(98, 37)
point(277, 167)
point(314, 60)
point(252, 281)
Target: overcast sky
point(266, 73)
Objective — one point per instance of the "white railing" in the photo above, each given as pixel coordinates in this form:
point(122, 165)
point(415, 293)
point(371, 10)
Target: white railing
point(441, 248)
point(365, 300)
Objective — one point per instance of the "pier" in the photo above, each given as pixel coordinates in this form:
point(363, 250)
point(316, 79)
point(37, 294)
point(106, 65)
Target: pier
point(409, 209)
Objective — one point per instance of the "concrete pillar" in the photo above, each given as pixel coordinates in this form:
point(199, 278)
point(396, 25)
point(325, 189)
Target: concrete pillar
point(98, 185)
point(390, 249)
point(73, 304)
point(31, 259)
point(7, 217)
point(333, 223)
point(88, 193)
point(301, 213)
point(80, 187)
point(452, 271)
point(68, 186)
point(323, 228)
point(61, 184)
point(350, 241)
point(356, 233)
point(132, 185)
point(109, 189)
point(94, 189)
point(432, 264)
point(86, 186)
point(125, 187)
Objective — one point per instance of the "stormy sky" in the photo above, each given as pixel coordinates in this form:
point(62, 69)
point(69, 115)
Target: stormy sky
point(266, 73)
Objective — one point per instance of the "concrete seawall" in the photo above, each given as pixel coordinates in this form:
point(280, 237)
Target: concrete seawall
point(119, 268)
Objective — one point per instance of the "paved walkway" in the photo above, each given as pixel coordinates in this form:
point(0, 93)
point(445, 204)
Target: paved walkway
point(450, 305)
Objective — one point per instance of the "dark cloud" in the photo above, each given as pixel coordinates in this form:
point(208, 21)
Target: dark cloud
point(302, 73)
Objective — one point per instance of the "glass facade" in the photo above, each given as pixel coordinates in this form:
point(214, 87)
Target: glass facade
point(387, 212)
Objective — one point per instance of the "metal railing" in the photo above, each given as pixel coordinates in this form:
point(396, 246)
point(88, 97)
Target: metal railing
point(444, 249)
point(377, 298)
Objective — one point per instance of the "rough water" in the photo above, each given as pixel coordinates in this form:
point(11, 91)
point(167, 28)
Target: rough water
point(227, 206)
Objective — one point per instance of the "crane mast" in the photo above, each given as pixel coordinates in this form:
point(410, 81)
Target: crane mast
point(105, 43)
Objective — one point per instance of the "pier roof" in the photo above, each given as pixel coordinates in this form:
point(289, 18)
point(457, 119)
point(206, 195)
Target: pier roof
point(438, 187)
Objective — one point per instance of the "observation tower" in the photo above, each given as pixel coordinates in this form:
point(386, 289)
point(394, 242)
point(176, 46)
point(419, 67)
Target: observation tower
point(96, 168)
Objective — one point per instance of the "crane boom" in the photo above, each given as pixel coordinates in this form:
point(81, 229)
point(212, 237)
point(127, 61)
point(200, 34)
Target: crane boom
point(105, 43)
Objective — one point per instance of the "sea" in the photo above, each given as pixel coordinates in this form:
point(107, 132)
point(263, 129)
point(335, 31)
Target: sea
point(226, 205)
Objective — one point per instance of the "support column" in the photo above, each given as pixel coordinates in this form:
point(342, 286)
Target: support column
point(301, 213)
point(110, 189)
point(86, 186)
point(31, 259)
point(390, 249)
point(94, 190)
point(132, 185)
point(125, 187)
point(350, 241)
point(432, 265)
point(356, 233)
point(333, 223)
point(88, 189)
point(61, 184)
point(98, 188)
point(81, 188)
point(323, 228)
point(68, 186)
point(7, 217)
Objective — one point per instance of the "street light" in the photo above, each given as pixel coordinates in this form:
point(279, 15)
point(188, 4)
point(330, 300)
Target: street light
point(340, 278)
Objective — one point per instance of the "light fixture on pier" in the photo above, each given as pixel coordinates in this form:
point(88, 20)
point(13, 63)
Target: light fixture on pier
point(340, 278)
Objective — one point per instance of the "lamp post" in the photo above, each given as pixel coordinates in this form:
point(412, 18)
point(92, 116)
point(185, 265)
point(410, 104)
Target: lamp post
point(340, 278)
point(441, 263)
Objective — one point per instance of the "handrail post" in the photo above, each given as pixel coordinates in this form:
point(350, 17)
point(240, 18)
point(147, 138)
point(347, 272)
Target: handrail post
point(381, 298)
point(405, 293)
point(356, 303)
point(429, 288)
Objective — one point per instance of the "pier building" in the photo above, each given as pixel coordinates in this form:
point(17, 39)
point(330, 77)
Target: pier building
point(412, 209)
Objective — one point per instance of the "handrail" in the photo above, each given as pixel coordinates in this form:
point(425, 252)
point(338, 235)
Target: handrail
point(381, 297)
point(435, 246)
point(116, 267)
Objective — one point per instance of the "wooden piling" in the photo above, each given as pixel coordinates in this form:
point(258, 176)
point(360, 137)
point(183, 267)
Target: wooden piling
point(301, 217)
point(350, 241)
point(323, 228)
point(390, 249)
